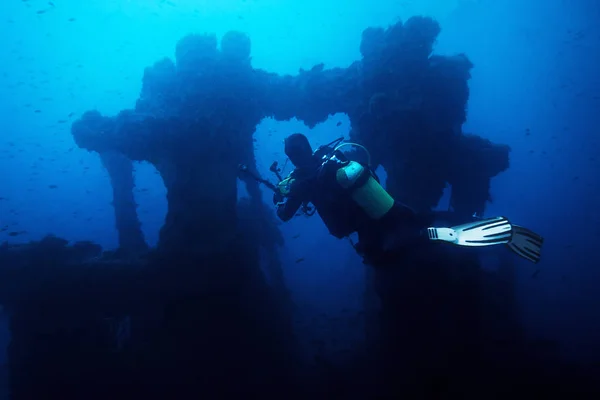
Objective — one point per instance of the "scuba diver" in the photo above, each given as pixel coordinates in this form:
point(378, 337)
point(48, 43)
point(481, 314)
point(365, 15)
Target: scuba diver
point(349, 198)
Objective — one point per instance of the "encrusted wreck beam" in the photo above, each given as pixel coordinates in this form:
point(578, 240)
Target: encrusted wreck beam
point(194, 121)
point(120, 170)
point(199, 174)
point(411, 115)
point(476, 161)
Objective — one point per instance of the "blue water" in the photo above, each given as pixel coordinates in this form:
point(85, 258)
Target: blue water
point(535, 87)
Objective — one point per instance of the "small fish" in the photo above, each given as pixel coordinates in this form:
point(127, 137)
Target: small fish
point(52, 186)
point(2, 198)
point(339, 123)
point(15, 233)
point(72, 19)
point(70, 115)
point(535, 274)
point(293, 237)
point(41, 11)
point(527, 132)
point(51, 4)
point(62, 121)
point(299, 260)
point(37, 111)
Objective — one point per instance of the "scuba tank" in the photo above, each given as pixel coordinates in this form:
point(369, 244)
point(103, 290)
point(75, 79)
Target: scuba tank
point(363, 185)
point(365, 190)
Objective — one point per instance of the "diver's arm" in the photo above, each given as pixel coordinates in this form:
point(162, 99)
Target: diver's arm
point(287, 208)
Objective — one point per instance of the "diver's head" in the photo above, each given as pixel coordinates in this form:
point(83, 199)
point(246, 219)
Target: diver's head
point(298, 150)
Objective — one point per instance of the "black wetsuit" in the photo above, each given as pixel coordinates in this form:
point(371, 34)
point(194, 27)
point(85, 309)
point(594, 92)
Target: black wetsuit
point(380, 241)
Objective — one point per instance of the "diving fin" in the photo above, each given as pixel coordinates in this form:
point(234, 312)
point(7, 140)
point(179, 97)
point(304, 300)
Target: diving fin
point(485, 232)
point(526, 244)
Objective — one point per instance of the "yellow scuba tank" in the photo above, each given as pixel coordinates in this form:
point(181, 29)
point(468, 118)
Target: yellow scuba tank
point(364, 189)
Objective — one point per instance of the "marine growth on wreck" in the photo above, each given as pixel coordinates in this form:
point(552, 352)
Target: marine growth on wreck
point(196, 315)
